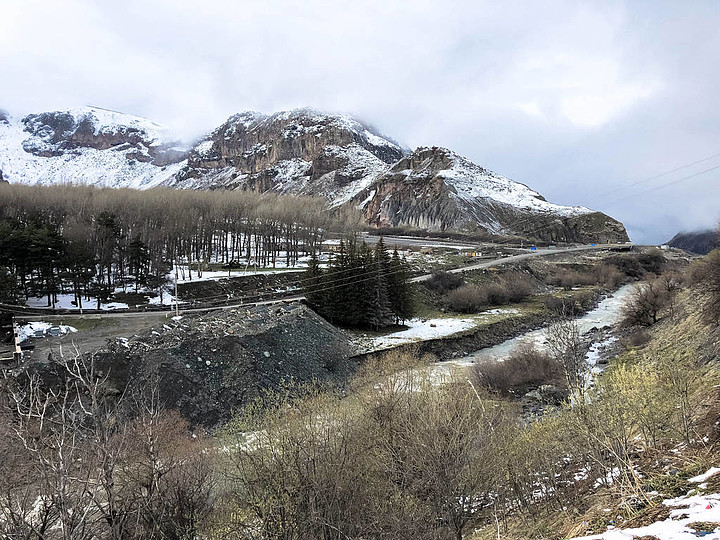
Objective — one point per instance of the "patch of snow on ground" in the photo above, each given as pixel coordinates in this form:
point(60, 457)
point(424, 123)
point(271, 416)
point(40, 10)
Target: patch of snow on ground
point(705, 476)
point(28, 330)
point(686, 510)
point(64, 301)
point(424, 329)
point(234, 273)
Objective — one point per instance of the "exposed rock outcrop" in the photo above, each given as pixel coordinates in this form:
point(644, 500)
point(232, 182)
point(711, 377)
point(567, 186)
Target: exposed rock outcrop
point(438, 190)
point(301, 152)
point(87, 145)
point(55, 133)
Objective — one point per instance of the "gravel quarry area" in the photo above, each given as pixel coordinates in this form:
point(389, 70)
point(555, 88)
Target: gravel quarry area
point(209, 365)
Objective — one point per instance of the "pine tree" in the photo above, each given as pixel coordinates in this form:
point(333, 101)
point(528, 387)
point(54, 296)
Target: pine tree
point(399, 288)
point(314, 284)
point(362, 287)
point(138, 260)
point(335, 303)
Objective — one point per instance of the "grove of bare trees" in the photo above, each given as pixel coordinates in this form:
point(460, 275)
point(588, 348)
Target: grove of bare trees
point(89, 242)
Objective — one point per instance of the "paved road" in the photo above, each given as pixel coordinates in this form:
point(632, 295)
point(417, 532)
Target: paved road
point(414, 241)
point(515, 258)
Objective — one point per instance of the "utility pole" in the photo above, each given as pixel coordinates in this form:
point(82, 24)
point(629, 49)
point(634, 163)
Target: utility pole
point(17, 353)
point(177, 308)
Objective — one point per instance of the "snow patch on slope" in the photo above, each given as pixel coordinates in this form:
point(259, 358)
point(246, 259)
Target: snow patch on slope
point(311, 121)
point(360, 161)
point(472, 182)
point(106, 121)
point(103, 168)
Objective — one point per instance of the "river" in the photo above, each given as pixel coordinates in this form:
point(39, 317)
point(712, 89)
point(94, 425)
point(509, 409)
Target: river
point(607, 313)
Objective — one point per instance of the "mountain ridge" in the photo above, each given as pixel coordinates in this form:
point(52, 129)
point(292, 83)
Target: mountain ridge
point(297, 152)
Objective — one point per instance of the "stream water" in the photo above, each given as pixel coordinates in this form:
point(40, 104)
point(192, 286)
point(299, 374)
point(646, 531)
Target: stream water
point(607, 313)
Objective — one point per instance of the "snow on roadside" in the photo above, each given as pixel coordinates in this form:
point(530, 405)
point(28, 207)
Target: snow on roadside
point(211, 275)
point(28, 330)
point(685, 510)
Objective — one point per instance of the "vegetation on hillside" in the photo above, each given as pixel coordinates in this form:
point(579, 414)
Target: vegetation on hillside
point(396, 456)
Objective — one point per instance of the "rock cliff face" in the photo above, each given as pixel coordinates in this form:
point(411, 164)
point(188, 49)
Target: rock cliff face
point(302, 152)
point(87, 145)
point(700, 242)
point(436, 189)
point(54, 133)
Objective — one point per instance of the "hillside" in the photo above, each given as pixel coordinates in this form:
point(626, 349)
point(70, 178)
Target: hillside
point(437, 189)
point(298, 152)
point(700, 242)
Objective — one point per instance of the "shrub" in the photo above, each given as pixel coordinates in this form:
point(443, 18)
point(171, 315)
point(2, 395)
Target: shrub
point(567, 278)
point(653, 261)
point(636, 266)
point(705, 277)
point(644, 306)
point(526, 366)
point(608, 275)
point(560, 306)
point(497, 294)
point(442, 282)
point(585, 299)
point(467, 299)
point(516, 287)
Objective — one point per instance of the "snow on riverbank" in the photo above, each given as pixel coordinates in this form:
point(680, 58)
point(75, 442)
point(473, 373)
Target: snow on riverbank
point(422, 329)
point(687, 510)
point(425, 329)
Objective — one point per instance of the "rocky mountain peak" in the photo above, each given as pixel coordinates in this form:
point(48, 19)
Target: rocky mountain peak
point(57, 132)
point(87, 145)
point(301, 151)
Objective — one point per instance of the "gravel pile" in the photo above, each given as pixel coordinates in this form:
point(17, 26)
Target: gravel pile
point(210, 365)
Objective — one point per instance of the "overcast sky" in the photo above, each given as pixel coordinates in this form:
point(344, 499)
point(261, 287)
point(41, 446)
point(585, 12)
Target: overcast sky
point(578, 99)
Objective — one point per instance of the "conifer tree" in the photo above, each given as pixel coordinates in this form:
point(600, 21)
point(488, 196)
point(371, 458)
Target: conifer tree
point(399, 288)
point(313, 285)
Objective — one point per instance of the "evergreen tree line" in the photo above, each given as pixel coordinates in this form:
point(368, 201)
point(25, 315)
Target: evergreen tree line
point(90, 242)
point(362, 287)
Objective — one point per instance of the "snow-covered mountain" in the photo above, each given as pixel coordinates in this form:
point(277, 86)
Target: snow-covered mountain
point(300, 152)
point(87, 145)
point(437, 189)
